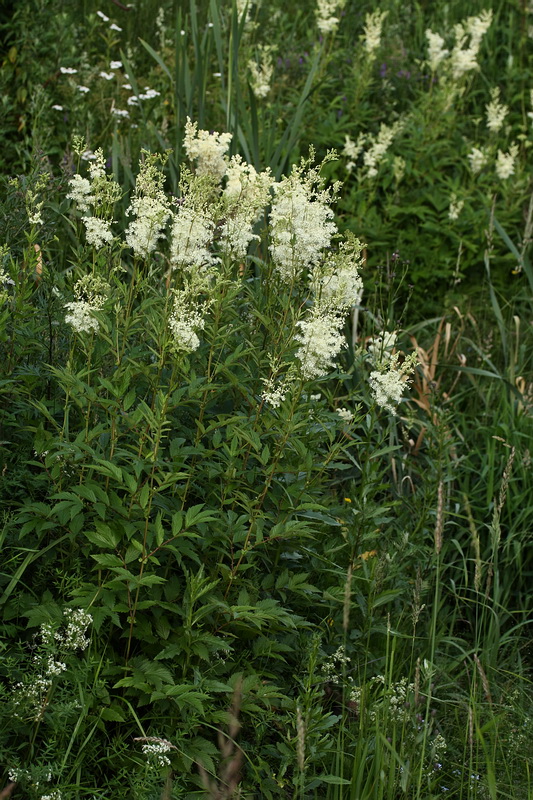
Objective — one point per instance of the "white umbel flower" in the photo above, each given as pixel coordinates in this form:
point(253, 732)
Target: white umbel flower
point(206, 149)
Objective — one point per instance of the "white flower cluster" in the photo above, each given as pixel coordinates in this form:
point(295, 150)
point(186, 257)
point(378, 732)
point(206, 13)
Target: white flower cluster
point(261, 71)
point(246, 194)
point(207, 150)
point(337, 282)
point(156, 751)
point(345, 414)
point(496, 111)
point(334, 668)
point(185, 320)
point(320, 340)
point(379, 146)
point(301, 225)
point(436, 50)
point(326, 15)
point(505, 162)
point(468, 36)
point(456, 206)
point(99, 194)
point(91, 292)
point(372, 31)
point(463, 57)
point(388, 380)
point(73, 635)
point(150, 207)
point(192, 235)
point(477, 159)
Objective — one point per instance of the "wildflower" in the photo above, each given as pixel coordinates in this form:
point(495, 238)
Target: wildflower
point(345, 415)
point(81, 192)
point(477, 159)
point(57, 107)
point(77, 620)
point(108, 76)
point(379, 146)
point(191, 237)
point(380, 347)
point(398, 168)
point(90, 292)
point(261, 71)
point(325, 12)
point(185, 320)
point(115, 65)
point(505, 162)
point(456, 206)
point(468, 36)
point(114, 27)
point(372, 32)
point(102, 16)
point(496, 112)
point(246, 194)
point(320, 342)
point(206, 149)
point(68, 70)
point(155, 750)
point(337, 282)
point(436, 50)
point(133, 100)
point(388, 382)
point(97, 231)
point(83, 89)
point(149, 94)
point(300, 222)
point(150, 207)
point(120, 112)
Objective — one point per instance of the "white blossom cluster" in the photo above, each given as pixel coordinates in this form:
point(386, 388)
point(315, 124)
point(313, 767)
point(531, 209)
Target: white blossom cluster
point(326, 15)
point(98, 196)
point(90, 292)
point(186, 318)
point(437, 52)
point(337, 283)
point(246, 194)
point(468, 36)
point(73, 635)
point(320, 340)
point(156, 751)
point(463, 57)
point(379, 145)
point(388, 380)
point(301, 225)
point(191, 238)
point(505, 162)
point(496, 111)
point(261, 71)
point(150, 208)
point(345, 414)
point(372, 31)
point(478, 159)
point(455, 208)
point(207, 150)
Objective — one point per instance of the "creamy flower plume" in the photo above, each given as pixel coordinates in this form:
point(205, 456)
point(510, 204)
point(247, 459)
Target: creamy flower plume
point(207, 150)
point(150, 207)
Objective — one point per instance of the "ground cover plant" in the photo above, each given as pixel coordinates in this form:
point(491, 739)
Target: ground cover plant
point(266, 401)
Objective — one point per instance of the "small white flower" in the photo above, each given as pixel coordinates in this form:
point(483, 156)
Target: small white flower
point(114, 27)
point(133, 100)
point(206, 149)
point(345, 414)
point(126, 85)
point(68, 70)
point(108, 76)
point(115, 65)
point(496, 111)
point(505, 162)
point(477, 159)
point(83, 89)
point(102, 16)
point(57, 107)
point(456, 206)
point(120, 112)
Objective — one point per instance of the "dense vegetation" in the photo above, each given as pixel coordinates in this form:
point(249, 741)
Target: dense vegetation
point(266, 400)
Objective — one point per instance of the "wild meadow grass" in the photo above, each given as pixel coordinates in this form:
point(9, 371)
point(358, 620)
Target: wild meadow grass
point(266, 400)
